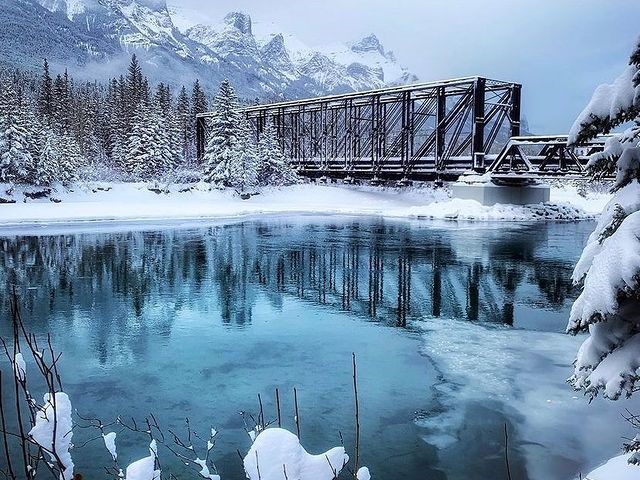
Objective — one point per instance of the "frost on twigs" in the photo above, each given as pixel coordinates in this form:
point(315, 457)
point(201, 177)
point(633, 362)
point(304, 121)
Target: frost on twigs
point(276, 454)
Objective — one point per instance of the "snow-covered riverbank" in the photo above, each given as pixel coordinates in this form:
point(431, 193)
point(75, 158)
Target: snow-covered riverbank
point(136, 202)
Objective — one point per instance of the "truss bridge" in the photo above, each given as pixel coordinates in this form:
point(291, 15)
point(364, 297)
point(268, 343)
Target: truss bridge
point(436, 130)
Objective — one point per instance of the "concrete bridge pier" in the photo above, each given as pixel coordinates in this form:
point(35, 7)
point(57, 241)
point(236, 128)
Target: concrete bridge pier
point(488, 193)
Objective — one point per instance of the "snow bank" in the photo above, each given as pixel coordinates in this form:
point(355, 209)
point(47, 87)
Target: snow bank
point(135, 202)
point(276, 450)
point(615, 469)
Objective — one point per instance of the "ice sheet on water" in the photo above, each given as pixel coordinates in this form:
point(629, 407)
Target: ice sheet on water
point(525, 371)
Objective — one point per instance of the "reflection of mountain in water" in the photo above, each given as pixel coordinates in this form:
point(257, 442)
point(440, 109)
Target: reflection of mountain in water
point(383, 271)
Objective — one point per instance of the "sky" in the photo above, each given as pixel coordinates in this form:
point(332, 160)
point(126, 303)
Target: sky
point(560, 50)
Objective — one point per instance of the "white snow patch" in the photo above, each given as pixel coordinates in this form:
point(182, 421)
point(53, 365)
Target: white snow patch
point(145, 468)
point(276, 450)
point(19, 367)
point(615, 469)
point(363, 474)
point(55, 415)
point(110, 444)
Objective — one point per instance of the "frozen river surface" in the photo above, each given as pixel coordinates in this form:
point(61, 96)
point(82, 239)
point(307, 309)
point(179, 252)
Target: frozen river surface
point(457, 329)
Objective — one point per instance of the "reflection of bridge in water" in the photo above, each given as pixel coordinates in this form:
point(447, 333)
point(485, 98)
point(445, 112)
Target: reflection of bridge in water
point(385, 271)
point(414, 132)
point(409, 279)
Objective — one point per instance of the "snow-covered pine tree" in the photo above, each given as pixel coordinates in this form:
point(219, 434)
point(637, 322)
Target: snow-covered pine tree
point(140, 157)
point(608, 362)
point(167, 141)
point(45, 97)
point(242, 169)
point(274, 168)
point(70, 157)
point(16, 149)
point(183, 125)
point(47, 167)
point(223, 136)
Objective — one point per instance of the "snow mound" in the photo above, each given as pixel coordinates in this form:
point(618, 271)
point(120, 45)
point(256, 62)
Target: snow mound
point(145, 468)
point(276, 450)
point(615, 469)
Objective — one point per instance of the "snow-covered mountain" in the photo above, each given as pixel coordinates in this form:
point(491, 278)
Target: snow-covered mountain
point(96, 37)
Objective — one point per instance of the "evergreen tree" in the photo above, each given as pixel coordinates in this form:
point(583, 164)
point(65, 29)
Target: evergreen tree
point(199, 105)
point(48, 166)
point(135, 83)
point(16, 151)
point(183, 126)
point(94, 124)
point(140, 158)
point(45, 101)
point(223, 135)
point(609, 269)
point(244, 165)
point(273, 168)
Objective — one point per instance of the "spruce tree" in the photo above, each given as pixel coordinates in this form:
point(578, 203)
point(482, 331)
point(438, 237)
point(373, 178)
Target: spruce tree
point(48, 167)
point(183, 126)
point(45, 99)
point(243, 168)
point(223, 135)
point(274, 168)
point(609, 269)
point(16, 150)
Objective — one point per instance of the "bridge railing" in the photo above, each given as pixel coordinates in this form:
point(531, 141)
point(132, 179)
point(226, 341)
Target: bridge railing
point(544, 156)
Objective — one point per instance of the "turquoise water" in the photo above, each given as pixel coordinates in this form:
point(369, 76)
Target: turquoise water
point(196, 321)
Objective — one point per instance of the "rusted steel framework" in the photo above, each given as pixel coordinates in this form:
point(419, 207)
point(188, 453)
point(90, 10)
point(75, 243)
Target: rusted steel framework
point(411, 132)
point(544, 156)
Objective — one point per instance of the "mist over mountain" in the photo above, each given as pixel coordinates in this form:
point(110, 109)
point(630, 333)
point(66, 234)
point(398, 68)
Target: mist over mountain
point(95, 39)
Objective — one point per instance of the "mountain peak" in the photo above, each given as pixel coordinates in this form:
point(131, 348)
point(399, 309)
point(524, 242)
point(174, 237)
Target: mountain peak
point(240, 21)
point(368, 44)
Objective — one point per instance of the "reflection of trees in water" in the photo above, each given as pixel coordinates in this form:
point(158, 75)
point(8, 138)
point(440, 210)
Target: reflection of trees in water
point(135, 283)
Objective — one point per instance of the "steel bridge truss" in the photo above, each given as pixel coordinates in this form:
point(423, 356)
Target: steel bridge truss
point(411, 132)
point(543, 156)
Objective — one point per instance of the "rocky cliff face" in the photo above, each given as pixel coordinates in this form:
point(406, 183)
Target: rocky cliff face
point(91, 36)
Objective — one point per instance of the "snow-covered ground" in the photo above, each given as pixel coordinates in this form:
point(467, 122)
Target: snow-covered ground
point(135, 202)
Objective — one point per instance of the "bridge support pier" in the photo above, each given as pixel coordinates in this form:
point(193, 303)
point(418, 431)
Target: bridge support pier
point(491, 194)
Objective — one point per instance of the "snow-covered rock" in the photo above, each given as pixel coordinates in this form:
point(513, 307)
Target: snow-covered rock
point(276, 454)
